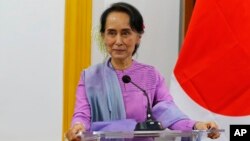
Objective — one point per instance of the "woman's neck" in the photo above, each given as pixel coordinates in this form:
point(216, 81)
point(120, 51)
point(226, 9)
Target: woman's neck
point(121, 64)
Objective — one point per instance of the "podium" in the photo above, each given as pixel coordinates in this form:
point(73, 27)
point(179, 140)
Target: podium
point(164, 135)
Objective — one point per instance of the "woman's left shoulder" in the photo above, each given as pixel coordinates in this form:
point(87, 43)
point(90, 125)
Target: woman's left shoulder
point(148, 69)
point(143, 66)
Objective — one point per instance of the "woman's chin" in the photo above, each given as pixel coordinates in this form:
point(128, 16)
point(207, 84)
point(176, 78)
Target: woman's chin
point(119, 57)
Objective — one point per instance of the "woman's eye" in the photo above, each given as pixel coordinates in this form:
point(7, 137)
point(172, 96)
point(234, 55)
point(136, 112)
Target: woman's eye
point(111, 33)
point(125, 33)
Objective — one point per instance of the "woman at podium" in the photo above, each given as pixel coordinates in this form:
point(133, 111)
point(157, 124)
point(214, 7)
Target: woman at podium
point(119, 93)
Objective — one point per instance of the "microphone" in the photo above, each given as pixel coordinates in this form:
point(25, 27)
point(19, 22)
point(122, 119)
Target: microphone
point(149, 123)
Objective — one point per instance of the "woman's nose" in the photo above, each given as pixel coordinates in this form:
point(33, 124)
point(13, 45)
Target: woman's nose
point(118, 40)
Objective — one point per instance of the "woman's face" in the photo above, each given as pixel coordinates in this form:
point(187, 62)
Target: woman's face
point(119, 38)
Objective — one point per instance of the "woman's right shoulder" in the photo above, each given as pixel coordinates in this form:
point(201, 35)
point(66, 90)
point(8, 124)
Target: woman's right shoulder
point(92, 70)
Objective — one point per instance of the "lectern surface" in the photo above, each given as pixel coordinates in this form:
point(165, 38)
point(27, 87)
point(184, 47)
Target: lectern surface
point(163, 135)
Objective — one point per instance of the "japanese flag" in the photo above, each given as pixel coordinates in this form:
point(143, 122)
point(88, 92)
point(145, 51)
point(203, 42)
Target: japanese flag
point(211, 78)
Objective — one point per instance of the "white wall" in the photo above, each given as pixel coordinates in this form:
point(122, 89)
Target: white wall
point(159, 46)
point(31, 66)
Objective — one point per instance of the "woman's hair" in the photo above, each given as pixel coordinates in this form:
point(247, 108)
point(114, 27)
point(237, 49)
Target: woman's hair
point(135, 18)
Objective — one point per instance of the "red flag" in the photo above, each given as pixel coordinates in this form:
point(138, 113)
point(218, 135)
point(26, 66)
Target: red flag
point(214, 64)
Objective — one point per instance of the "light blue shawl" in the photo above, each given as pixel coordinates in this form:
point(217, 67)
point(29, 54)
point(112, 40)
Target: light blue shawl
point(104, 93)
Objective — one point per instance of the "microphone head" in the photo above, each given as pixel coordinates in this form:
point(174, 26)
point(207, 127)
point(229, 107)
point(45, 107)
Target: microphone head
point(126, 79)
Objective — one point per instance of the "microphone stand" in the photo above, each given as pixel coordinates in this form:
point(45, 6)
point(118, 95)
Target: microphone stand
point(149, 124)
